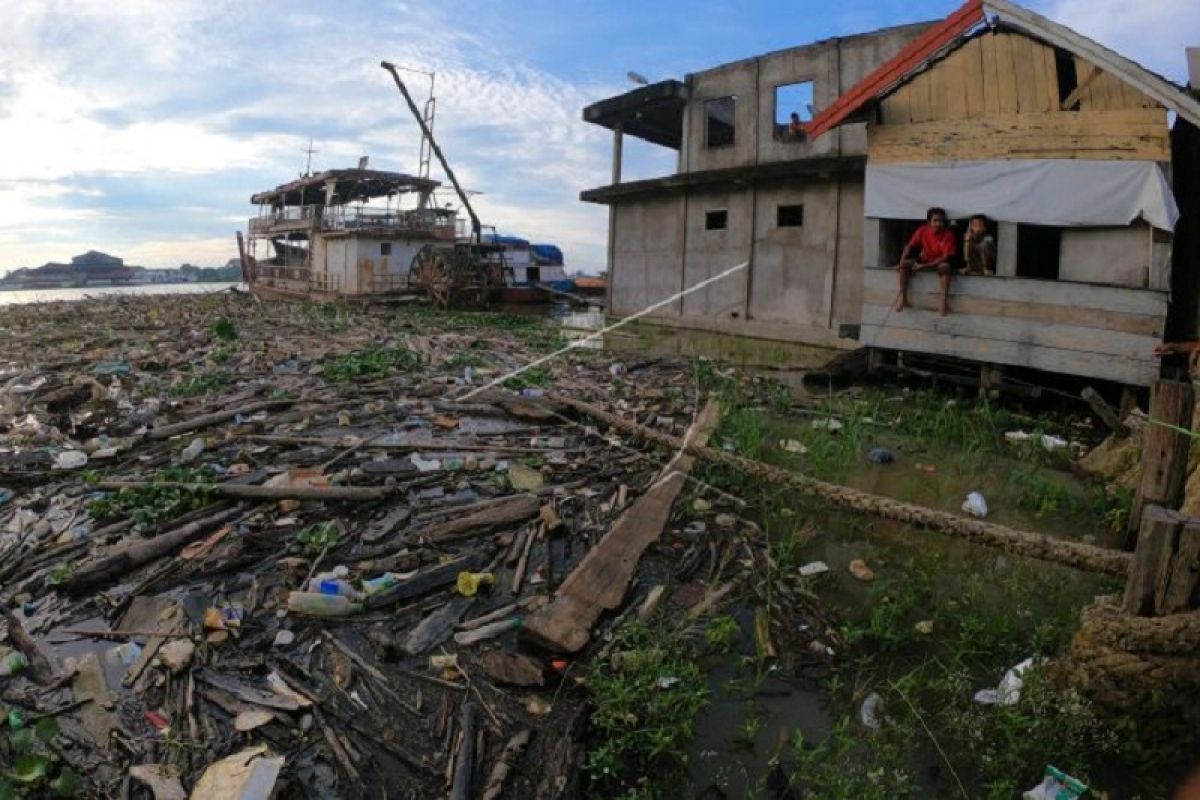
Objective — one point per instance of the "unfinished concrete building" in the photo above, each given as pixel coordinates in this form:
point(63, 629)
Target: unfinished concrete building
point(1064, 144)
point(749, 187)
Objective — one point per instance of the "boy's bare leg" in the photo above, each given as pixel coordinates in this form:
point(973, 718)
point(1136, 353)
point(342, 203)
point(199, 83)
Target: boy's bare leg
point(943, 271)
point(906, 271)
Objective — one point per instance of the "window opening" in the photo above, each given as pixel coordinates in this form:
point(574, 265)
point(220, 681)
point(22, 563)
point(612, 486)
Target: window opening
point(793, 108)
point(1038, 251)
point(385, 248)
point(719, 121)
point(789, 216)
point(716, 220)
point(1068, 79)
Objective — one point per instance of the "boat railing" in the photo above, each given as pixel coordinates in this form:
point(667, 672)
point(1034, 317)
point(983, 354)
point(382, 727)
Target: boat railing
point(324, 282)
point(389, 283)
point(352, 218)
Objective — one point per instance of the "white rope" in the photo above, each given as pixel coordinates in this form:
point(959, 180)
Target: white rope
point(601, 333)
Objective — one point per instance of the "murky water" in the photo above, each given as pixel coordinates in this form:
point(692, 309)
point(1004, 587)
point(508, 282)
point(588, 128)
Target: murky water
point(58, 295)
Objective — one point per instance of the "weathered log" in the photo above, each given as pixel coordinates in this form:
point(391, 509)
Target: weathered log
point(599, 582)
point(1184, 580)
point(464, 767)
point(1165, 454)
point(244, 492)
point(1104, 411)
point(39, 665)
point(1023, 543)
point(511, 511)
point(215, 418)
point(142, 552)
point(508, 759)
point(428, 580)
point(436, 628)
point(1146, 584)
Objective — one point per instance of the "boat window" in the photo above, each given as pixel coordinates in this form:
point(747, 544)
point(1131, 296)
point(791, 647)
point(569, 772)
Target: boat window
point(792, 98)
point(716, 220)
point(385, 248)
point(719, 121)
point(789, 216)
point(1068, 77)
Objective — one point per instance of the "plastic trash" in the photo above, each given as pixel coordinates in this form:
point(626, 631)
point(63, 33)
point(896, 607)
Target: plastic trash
point(469, 583)
point(616, 369)
point(532, 392)
point(111, 368)
point(70, 459)
point(12, 664)
point(424, 465)
point(284, 637)
point(322, 605)
point(376, 585)
point(468, 374)
point(860, 570)
point(814, 568)
point(792, 446)
point(828, 424)
point(125, 654)
point(880, 455)
point(975, 505)
point(1008, 693)
point(192, 451)
point(1056, 785)
point(871, 713)
point(5, 495)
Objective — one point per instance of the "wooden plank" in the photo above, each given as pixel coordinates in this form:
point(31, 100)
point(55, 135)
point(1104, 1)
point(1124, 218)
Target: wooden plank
point(1028, 290)
point(991, 80)
point(919, 98)
point(1089, 365)
point(1130, 134)
point(972, 57)
point(1156, 546)
point(939, 91)
point(955, 82)
point(894, 109)
point(1006, 74)
point(1061, 36)
point(1165, 451)
point(1041, 79)
point(1085, 76)
point(1027, 332)
point(1180, 594)
point(600, 580)
point(1027, 88)
point(1094, 321)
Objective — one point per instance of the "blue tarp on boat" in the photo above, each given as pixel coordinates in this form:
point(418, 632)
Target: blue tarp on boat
point(547, 255)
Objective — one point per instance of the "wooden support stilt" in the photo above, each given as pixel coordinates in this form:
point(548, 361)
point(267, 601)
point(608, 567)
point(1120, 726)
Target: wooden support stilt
point(1145, 588)
point(1165, 457)
point(991, 376)
point(1104, 411)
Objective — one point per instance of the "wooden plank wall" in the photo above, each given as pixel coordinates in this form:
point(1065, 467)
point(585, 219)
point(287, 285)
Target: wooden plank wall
point(1070, 328)
point(997, 96)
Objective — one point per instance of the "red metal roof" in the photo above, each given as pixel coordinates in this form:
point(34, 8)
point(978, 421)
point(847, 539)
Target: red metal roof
point(892, 72)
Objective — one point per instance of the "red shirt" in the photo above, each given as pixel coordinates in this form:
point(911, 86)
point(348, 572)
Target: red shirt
point(936, 246)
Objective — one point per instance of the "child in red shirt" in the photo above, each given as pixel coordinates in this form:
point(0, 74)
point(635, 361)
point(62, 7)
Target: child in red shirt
point(933, 246)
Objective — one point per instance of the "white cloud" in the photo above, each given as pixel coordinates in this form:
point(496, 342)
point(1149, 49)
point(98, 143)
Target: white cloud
point(1154, 33)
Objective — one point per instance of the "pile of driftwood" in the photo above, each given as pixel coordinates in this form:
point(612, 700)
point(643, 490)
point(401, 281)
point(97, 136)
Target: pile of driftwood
point(322, 586)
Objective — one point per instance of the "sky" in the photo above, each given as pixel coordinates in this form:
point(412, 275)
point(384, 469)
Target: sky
point(142, 127)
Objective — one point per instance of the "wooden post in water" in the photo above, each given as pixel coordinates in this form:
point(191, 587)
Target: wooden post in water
point(1165, 456)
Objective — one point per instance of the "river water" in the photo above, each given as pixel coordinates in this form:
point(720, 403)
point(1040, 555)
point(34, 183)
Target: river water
point(85, 293)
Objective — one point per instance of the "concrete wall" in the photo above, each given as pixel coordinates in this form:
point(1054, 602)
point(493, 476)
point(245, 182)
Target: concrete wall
point(647, 254)
point(709, 253)
point(833, 66)
point(1113, 256)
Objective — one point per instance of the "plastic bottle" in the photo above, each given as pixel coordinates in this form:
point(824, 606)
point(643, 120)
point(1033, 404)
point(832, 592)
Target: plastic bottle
point(322, 605)
point(333, 582)
point(375, 585)
point(12, 663)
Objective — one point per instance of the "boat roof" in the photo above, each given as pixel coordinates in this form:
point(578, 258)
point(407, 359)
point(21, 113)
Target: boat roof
point(349, 185)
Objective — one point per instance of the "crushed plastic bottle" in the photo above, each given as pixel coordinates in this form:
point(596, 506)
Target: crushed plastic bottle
point(322, 605)
point(376, 585)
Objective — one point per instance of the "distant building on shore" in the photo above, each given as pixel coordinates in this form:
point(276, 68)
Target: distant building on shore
point(94, 268)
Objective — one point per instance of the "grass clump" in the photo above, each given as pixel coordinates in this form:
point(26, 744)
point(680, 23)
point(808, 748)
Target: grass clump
point(536, 376)
point(157, 502)
point(224, 329)
point(377, 363)
point(203, 383)
point(645, 714)
point(316, 539)
point(33, 766)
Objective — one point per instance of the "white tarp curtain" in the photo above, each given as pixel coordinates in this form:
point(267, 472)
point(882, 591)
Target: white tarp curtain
point(1058, 192)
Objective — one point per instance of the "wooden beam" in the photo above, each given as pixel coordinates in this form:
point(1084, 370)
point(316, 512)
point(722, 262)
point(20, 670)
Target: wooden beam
point(599, 582)
point(1080, 89)
point(1165, 457)
point(1180, 594)
point(1145, 586)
